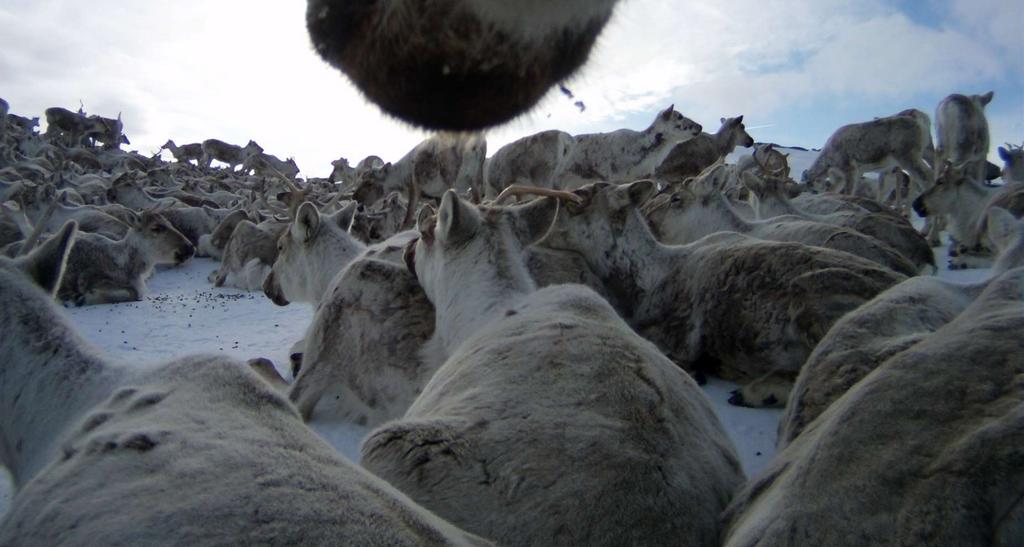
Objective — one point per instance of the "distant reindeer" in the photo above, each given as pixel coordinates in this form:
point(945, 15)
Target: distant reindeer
point(186, 152)
point(691, 157)
point(1013, 163)
point(230, 154)
point(456, 64)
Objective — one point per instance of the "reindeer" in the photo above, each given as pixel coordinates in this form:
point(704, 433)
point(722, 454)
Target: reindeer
point(213, 244)
point(185, 153)
point(107, 131)
point(903, 139)
point(688, 215)
point(342, 172)
point(4, 109)
point(248, 255)
point(1013, 163)
point(926, 449)
point(368, 353)
point(90, 219)
point(268, 165)
point(456, 65)
point(691, 157)
point(230, 154)
point(537, 160)
point(892, 322)
point(626, 155)
point(91, 439)
point(728, 304)
point(104, 271)
point(770, 199)
point(963, 133)
point(504, 431)
point(438, 163)
point(964, 201)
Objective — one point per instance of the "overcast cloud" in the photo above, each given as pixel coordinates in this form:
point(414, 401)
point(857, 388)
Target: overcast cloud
point(235, 70)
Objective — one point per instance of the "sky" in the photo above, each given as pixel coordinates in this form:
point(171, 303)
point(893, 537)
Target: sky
point(244, 69)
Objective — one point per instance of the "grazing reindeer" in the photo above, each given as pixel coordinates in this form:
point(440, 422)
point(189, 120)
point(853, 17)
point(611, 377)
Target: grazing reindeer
point(690, 158)
point(456, 64)
point(185, 153)
point(729, 304)
point(924, 450)
point(626, 155)
point(103, 271)
point(962, 131)
point(89, 441)
point(686, 216)
point(230, 154)
point(903, 139)
point(502, 439)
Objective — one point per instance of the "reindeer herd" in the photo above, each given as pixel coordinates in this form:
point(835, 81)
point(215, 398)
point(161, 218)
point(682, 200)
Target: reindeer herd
point(530, 369)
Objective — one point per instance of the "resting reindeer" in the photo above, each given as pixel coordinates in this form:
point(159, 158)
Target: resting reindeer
point(687, 215)
point(92, 442)
point(740, 307)
point(248, 255)
point(103, 271)
point(926, 450)
point(533, 420)
point(890, 323)
point(770, 200)
point(456, 64)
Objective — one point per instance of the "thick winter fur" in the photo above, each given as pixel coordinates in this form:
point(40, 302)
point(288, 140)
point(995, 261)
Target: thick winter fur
point(686, 216)
point(537, 160)
point(213, 244)
point(1013, 164)
point(728, 304)
point(101, 441)
point(313, 249)
point(230, 154)
point(626, 155)
point(903, 139)
point(926, 450)
point(962, 131)
point(440, 162)
point(456, 64)
point(89, 218)
point(1007, 234)
point(103, 271)
point(248, 255)
point(692, 157)
point(269, 165)
point(551, 422)
point(770, 200)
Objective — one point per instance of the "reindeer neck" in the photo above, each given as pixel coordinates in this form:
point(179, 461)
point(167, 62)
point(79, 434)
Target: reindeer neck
point(484, 291)
point(636, 264)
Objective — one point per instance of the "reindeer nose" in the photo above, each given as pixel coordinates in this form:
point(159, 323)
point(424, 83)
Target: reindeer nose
point(920, 208)
point(184, 254)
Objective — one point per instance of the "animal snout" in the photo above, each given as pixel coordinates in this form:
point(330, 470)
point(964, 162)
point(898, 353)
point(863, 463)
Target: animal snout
point(919, 207)
point(272, 289)
point(184, 253)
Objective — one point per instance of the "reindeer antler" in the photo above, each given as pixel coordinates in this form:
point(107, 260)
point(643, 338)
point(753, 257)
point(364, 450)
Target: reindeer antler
point(516, 190)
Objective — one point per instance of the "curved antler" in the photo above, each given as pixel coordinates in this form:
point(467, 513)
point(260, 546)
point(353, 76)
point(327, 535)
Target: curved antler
point(516, 190)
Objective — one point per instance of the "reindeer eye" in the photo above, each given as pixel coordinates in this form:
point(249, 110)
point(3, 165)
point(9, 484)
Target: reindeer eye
point(157, 229)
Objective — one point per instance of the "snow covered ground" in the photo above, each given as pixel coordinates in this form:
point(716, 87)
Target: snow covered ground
point(183, 314)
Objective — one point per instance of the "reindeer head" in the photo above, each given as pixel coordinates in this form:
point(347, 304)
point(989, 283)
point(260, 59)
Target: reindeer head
point(313, 247)
point(464, 243)
point(737, 132)
point(672, 127)
point(44, 265)
point(1013, 163)
point(160, 239)
point(942, 198)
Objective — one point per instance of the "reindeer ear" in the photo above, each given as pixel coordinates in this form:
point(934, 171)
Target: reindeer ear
point(667, 113)
point(640, 191)
point(456, 219)
point(1004, 154)
point(1001, 225)
point(739, 119)
point(987, 98)
point(45, 265)
point(532, 221)
point(307, 222)
point(423, 217)
point(346, 216)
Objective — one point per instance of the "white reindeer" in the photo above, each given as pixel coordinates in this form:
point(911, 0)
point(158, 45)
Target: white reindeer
point(95, 445)
point(962, 131)
point(533, 418)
